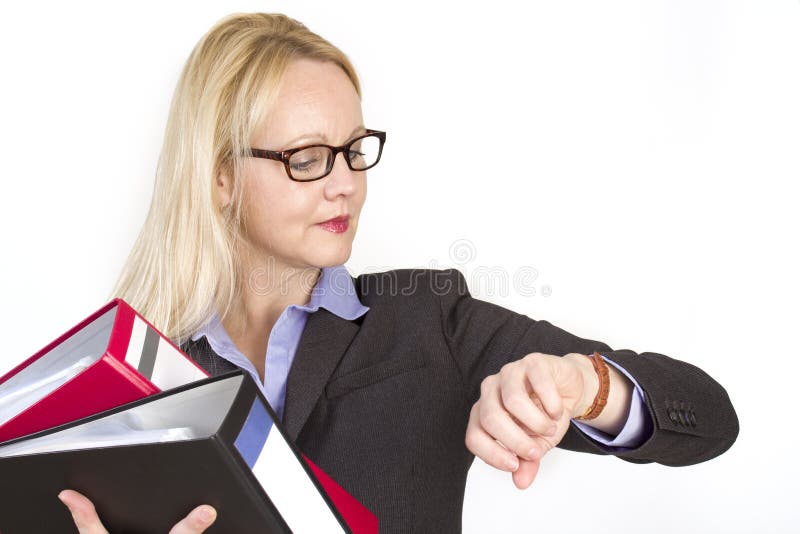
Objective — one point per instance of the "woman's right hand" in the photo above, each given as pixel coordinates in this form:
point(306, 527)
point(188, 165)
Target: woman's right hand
point(85, 516)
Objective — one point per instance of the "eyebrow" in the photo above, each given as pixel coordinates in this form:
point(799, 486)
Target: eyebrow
point(321, 136)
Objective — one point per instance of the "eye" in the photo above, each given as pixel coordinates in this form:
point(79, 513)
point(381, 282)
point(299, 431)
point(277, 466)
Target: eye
point(303, 165)
point(309, 160)
point(355, 155)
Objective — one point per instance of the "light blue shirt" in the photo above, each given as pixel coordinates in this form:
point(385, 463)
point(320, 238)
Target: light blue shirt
point(335, 292)
point(635, 432)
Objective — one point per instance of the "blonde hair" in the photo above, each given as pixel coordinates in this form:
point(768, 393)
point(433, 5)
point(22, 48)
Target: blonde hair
point(182, 267)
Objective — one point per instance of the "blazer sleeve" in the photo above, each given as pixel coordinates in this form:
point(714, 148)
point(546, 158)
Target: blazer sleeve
point(693, 417)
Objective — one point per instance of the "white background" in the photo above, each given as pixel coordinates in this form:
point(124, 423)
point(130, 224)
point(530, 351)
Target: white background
point(641, 156)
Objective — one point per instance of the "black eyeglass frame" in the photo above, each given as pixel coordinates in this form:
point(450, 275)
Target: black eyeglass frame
point(284, 155)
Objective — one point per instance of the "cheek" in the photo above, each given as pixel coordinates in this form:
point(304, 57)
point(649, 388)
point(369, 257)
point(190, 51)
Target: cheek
point(278, 210)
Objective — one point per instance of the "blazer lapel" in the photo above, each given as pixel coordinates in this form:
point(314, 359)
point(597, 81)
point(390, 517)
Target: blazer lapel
point(324, 341)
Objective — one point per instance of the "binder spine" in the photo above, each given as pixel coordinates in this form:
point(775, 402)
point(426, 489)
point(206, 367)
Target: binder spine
point(253, 433)
point(245, 476)
point(140, 345)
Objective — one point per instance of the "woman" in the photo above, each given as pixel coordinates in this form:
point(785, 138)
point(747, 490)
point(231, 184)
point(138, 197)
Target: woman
point(392, 381)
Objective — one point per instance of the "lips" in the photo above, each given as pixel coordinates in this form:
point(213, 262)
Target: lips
point(339, 219)
point(337, 225)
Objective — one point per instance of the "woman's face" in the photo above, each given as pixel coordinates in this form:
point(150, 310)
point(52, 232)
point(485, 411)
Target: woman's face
point(317, 103)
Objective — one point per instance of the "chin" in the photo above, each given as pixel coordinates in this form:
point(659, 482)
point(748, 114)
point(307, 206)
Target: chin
point(332, 258)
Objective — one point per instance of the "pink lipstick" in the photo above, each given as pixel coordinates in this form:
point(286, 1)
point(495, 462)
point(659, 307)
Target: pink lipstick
point(336, 225)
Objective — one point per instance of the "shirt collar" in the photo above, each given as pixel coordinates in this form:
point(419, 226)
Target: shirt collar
point(333, 291)
point(336, 292)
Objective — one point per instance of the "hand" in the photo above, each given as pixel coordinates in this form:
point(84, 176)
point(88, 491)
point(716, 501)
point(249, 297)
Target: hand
point(85, 517)
point(525, 410)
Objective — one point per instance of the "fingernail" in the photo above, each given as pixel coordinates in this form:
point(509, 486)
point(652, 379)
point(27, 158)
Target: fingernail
point(512, 463)
point(532, 453)
point(206, 514)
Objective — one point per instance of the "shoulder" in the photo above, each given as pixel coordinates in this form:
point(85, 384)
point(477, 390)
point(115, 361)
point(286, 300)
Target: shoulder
point(201, 352)
point(410, 284)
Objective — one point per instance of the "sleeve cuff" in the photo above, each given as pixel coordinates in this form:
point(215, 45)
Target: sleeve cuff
point(637, 428)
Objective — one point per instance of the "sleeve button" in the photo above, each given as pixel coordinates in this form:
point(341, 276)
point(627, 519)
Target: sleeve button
point(673, 417)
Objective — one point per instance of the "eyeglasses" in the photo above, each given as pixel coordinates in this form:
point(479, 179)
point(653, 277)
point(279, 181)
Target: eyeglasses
point(312, 162)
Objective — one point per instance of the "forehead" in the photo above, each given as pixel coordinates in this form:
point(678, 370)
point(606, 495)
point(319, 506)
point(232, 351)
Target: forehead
point(316, 102)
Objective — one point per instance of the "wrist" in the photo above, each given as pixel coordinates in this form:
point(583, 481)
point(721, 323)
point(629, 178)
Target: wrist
point(591, 383)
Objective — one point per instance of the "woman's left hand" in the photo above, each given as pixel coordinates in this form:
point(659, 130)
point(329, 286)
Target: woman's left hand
point(525, 410)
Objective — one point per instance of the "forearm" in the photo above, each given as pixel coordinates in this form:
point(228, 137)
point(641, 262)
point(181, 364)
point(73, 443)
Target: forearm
point(613, 417)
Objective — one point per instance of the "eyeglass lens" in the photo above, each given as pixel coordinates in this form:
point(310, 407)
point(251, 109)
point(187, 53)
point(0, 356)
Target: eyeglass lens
point(316, 161)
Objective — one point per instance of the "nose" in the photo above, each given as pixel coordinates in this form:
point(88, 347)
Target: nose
point(341, 180)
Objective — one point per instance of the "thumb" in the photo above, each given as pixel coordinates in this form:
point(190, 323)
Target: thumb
point(83, 512)
point(197, 521)
point(524, 475)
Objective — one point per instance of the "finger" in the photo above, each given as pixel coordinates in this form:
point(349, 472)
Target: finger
point(197, 521)
point(524, 476)
point(485, 447)
point(495, 420)
point(548, 441)
point(83, 512)
point(517, 401)
point(543, 385)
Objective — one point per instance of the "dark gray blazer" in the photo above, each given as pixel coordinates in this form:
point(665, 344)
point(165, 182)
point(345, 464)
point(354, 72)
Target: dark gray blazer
point(381, 403)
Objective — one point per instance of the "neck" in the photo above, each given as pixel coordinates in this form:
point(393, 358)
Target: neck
point(267, 290)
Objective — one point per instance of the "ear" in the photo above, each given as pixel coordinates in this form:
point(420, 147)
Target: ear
point(224, 185)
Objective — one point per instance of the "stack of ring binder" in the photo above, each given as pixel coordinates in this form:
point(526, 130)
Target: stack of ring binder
point(114, 410)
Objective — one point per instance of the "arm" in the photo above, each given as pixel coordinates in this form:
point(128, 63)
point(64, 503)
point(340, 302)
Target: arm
point(692, 415)
point(625, 422)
